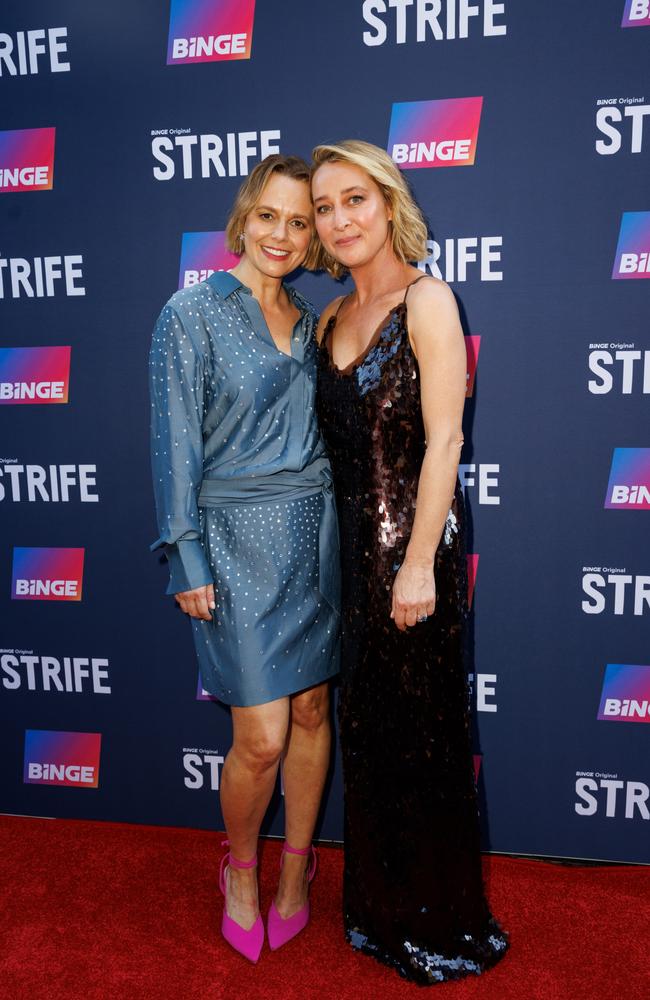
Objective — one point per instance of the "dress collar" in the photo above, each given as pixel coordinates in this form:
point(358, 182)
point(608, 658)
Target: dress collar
point(226, 283)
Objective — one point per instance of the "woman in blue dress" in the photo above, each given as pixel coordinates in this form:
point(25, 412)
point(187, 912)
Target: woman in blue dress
point(248, 524)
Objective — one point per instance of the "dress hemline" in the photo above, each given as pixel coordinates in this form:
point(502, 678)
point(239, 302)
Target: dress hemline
point(494, 948)
point(293, 689)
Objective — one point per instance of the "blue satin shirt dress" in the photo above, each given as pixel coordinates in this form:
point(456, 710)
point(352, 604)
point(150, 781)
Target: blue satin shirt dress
point(243, 490)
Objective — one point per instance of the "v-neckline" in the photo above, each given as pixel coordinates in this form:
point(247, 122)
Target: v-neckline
point(374, 340)
point(266, 330)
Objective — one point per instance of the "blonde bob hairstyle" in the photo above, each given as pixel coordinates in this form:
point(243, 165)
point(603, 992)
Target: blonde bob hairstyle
point(408, 230)
point(250, 193)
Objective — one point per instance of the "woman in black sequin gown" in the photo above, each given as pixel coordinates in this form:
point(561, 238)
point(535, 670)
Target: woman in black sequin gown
point(413, 890)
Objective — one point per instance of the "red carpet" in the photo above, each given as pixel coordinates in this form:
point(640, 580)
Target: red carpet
point(103, 911)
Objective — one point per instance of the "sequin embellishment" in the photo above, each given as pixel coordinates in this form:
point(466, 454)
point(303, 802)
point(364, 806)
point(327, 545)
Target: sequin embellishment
point(413, 889)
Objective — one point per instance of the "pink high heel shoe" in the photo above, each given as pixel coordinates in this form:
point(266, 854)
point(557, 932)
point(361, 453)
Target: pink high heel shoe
point(247, 942)
point(280, 930)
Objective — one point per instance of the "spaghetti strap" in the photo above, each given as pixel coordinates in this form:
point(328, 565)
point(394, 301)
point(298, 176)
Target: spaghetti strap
point(411, 285)
point(331, 323)
point(341, 303)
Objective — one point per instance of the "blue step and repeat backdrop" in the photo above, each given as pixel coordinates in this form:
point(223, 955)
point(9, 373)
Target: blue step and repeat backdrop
point(125, 130)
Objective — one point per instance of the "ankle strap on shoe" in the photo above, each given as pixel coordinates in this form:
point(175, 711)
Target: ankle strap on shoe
point(235, 862)
point(303, 852)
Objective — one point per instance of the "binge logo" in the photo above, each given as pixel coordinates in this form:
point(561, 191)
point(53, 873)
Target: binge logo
point(34, 374)
point(629, 480)
point(27, 160)
point(435, 133)
point(477, 758)
point(210, 30)
point(472, 346)
point(201, 255)
point(53, 758)
point(472, 570)
point(633, 251)
point(201, 693)
point(636, 14)
point(47, 574)
point(626, 693)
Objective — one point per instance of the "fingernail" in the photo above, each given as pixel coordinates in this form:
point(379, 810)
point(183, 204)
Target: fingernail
point(212, 606)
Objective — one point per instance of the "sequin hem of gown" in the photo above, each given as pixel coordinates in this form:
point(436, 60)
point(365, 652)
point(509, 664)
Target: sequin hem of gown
point(413, 888)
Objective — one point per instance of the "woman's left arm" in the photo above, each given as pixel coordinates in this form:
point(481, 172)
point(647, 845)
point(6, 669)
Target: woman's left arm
point(437, 340)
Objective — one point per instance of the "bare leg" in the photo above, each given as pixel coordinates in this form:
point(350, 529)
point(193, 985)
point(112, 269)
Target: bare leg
point(305, 768)
point(247, 781)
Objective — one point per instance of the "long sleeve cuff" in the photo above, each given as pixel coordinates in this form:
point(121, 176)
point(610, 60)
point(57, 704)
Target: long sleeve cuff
point(188, 566)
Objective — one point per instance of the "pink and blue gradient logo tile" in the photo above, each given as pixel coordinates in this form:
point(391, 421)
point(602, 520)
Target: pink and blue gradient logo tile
point(201, 255)
point(626, 693)
point(47, 574)
point(472, 346)
point(210, 30)
point(435, 133)
point(636, 14)
point(629, 480)
point(27, 160)
point(472, 570)
point(633, 250)
point(56, 758)
point(201, 693)
point(477, 760)
point(34, 374)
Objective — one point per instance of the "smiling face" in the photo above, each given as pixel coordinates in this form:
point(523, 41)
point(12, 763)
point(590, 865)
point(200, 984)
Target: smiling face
point(351, 213)
point(278, 229)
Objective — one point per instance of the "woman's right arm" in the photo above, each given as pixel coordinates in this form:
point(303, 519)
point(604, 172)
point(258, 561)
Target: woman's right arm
point(176, 380)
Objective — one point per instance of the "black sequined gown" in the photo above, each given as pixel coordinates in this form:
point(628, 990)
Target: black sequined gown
point(413, 891)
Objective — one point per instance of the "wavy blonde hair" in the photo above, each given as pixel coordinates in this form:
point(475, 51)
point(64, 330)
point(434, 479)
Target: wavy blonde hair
point(250, 193)
point(408, 228)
